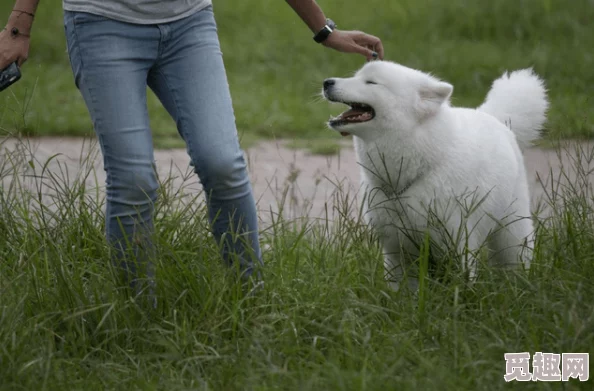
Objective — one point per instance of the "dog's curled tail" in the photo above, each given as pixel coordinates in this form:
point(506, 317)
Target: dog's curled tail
point(519, 100)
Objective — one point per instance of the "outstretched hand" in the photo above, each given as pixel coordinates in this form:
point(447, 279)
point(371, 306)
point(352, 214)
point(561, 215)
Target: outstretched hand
point(356, 42)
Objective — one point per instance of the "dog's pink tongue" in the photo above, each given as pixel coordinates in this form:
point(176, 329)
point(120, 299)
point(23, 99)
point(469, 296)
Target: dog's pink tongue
point(353, 112)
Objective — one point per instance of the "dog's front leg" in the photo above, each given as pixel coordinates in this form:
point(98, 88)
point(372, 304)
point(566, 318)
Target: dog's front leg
point(468, 250)
point(397, 270)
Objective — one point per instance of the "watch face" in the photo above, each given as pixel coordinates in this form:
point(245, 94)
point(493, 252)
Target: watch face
point(331, 23)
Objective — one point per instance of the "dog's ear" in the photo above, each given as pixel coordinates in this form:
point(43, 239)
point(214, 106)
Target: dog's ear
point(436, 91)
point(432, 95)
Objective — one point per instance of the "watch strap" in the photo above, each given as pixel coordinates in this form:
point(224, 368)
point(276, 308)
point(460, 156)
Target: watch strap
point(323, 34)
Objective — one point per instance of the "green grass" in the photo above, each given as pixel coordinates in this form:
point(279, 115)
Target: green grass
point(275, 69)
point(325, 320)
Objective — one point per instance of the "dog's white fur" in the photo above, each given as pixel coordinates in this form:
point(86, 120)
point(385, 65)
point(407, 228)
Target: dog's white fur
point(455, 173)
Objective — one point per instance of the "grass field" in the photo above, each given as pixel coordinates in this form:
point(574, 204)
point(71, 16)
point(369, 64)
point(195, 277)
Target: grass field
point(325, 320)
point(275, 68)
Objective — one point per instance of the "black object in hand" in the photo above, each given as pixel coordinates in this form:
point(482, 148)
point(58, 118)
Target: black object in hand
point(9, 76)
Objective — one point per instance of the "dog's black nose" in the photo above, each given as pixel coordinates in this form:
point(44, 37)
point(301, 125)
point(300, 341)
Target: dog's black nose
point(329, 83)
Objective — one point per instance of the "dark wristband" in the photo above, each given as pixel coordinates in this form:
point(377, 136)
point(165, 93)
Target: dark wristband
point(323, 34)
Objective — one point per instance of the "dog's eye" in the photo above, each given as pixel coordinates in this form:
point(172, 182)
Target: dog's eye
point(370, 82)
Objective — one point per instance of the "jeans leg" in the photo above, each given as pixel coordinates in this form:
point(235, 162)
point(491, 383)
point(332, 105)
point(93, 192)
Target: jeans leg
point(110, 61)
point(190, 80)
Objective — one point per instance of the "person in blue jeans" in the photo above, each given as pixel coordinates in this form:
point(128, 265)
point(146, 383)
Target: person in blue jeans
point(117, 48)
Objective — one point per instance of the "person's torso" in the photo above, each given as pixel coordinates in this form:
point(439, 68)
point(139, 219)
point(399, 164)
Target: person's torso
point(138, 11)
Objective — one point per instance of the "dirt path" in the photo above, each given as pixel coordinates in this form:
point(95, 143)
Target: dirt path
point(307, 180)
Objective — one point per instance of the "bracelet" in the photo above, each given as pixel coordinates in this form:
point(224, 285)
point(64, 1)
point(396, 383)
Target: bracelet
point(25, 12)
point(15, 32)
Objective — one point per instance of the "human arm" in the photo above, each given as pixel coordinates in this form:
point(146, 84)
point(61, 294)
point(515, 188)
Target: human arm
point(15, 47)
point(345, 41)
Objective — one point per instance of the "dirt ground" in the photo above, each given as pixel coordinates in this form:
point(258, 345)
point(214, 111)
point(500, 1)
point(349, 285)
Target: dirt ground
point(308, 181)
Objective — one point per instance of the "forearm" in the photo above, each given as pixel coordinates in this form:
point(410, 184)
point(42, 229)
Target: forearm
point(310, 12)
point(21, 15)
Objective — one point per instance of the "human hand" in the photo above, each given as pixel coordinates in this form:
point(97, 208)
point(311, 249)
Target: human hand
point(356, 42)
point(13, 48)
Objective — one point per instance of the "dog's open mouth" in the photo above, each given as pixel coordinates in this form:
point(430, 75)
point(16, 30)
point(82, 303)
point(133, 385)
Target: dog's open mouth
point(358, 113)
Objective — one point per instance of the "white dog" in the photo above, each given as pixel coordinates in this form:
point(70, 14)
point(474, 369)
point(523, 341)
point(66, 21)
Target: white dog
point(427, 168)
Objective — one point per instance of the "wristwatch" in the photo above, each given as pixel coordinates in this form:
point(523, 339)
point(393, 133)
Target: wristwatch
point(325, 31)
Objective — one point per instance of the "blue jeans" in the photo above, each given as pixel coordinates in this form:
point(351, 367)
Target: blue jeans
point(113, 62)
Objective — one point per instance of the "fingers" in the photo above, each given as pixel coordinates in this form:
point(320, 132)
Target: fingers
point(21, 61)
point(5, 62)
point(379, 48)
point(364, 51)
point(356, 42)
point(371, 55)
point(374, 44)
point(12, 50)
